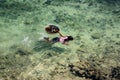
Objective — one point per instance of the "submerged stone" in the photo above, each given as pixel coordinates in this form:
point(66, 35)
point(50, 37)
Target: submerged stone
point(115, 73)
point(96, 35)
point(48, 2)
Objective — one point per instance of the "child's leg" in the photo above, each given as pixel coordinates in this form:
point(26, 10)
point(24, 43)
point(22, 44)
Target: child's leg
point(47, 39)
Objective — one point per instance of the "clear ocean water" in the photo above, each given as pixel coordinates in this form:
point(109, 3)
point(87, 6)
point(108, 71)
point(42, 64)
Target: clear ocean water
point(94, 54)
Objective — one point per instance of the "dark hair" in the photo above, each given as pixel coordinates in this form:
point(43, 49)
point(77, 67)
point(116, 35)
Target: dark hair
point(52, 29)
point(70, 38)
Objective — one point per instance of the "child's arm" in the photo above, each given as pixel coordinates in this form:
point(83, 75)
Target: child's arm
point(60, 34)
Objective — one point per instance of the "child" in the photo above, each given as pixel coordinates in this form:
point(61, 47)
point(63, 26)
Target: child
point(63, 39)
point(51, 29)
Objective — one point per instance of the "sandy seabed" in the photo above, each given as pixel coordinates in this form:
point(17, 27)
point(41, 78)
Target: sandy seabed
point(92, 55)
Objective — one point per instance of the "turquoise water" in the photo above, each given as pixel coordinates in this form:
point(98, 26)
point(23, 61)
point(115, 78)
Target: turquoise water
point(95, 26)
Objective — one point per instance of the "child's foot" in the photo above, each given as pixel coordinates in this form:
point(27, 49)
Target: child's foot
point(46, 38)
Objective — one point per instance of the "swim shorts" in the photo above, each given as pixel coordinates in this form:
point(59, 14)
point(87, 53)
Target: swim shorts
point(54, 40)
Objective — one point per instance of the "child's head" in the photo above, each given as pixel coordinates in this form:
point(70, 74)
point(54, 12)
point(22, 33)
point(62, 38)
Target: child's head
point(70, 38)
point(52, 29)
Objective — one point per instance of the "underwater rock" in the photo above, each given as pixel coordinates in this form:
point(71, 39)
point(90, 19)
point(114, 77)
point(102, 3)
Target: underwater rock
point(48, 2)
point(86, 70)
point(111, 1)
point(117, 35)
point(57, 20)
point(96, 35)
point(12, 65)
point(115, 72)
point(2, 1)
point(116, 11)
point(27, 23)
point(118, 43)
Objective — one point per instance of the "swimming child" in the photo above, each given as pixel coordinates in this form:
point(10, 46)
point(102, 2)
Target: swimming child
point(51, 29)
point(62, 39)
